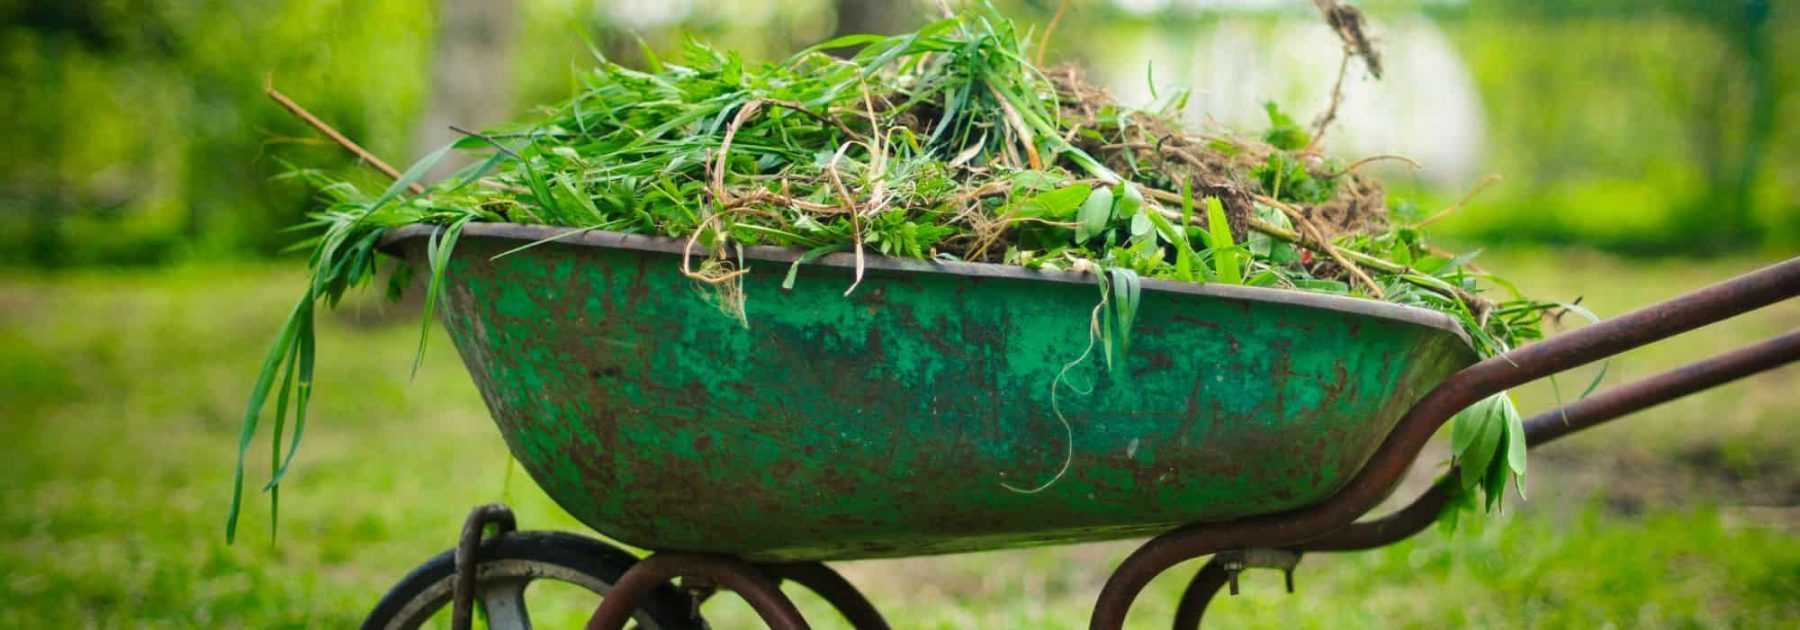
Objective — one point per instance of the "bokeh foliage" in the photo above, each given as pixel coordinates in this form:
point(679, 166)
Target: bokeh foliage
point(139, 133)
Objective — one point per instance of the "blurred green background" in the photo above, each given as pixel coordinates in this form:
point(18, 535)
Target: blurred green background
point(1645, 146)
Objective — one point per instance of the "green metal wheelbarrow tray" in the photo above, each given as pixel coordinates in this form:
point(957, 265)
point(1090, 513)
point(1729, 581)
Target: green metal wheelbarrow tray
point(929, 412)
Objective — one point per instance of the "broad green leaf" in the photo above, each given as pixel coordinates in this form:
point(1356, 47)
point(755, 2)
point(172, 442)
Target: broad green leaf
point(1465, 427)
point(1480, 452)
point(1095, 212)
point(1493, 484)
point(1130, 202)
point(1053, 205)
point(1141, 226)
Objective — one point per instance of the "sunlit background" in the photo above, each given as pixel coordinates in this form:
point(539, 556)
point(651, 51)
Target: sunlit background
point(138, 132)
point(1643, 147)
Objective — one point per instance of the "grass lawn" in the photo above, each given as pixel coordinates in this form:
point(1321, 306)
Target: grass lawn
point(120, 394)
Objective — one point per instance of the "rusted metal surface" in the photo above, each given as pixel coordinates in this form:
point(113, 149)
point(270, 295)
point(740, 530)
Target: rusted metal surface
point(757, 588)
point(834, 589)
point(462, 602)
point(1610, 404)
point(915, 416)
point(1596, 342)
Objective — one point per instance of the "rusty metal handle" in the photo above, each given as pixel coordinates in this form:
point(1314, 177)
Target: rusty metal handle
point(1543, 428)
point(1596, 342)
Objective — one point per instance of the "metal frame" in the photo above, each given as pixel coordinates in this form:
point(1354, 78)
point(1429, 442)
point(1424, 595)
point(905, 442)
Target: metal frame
point(1378, 477)
point(1278, 540)
point(468, 547)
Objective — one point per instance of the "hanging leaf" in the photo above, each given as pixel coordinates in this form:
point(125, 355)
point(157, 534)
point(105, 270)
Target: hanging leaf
point(1480, 453)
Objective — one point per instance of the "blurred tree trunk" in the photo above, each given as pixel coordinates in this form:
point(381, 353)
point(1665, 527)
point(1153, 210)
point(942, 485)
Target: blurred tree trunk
point(1754, 43)
point(1723, 218)
point(876, 16)
point(471, 74)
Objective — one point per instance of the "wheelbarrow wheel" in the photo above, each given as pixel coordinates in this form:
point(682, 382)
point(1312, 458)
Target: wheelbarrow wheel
point(509, 563)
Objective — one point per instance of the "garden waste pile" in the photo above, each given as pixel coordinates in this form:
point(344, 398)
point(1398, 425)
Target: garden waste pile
point(948, 143)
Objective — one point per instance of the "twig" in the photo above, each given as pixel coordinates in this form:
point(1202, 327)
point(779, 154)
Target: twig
point(850, 203)
point(816, 116)
point(1044, 40)
point(1350, 26)
point(1466, 198)
point(1351, 168)
point(720, 162)
point(1318, 237)
point(1475, 302)
point(348, 144)
point(1017, 122)
point(1337, 97)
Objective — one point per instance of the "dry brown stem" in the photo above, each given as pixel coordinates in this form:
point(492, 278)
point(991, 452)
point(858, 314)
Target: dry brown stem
point(1466, 198)
point(1337, 98)
point(332, 133)
point(1320, 243)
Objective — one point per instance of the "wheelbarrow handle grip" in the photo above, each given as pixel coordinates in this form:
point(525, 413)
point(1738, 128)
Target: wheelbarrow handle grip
point(1599, 341)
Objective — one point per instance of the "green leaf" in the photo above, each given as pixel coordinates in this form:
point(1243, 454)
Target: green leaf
point(810, 256)
point(438, 256)
point(652, 63)
point(1467, 425)
point(1283, 132)
point(1493, 484)
point(1333, 287)
point(1480, 452)
point(304, 353)
point(1141, 226)
point(1121, 310)
point(412, 175)
point(1053, 205)
point(1225, 253)
point(1095, 211)
point(1515, 445)
point(843, 41)
point(1130, 202)
point(259, 395)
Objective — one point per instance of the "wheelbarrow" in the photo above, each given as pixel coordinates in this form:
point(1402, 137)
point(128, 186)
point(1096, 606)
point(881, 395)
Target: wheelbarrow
point(938, 409)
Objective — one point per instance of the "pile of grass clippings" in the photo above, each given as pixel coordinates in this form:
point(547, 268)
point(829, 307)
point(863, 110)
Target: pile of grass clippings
point(945, 143)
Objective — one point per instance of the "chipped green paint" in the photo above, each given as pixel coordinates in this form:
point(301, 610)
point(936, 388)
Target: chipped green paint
point(884, 423)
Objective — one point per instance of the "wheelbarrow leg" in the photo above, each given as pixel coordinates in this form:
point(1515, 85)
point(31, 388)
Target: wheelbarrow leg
point(759, 589)
point(836, 590)
point(462, 611)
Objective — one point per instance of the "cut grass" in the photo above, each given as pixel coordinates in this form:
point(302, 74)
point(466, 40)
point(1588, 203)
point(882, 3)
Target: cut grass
point(116, 430)
point(942, 143)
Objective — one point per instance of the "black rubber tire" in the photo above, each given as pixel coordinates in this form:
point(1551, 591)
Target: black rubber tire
point(426, 590)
